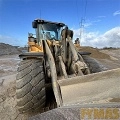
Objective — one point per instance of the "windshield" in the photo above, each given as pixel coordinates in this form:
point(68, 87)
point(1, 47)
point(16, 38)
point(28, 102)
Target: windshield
point(48, 31)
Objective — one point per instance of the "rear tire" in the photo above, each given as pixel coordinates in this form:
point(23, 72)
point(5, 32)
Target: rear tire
point(93, 64)
point(30, 85)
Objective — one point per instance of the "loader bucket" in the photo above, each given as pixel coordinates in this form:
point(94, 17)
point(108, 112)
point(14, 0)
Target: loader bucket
point(102, 87)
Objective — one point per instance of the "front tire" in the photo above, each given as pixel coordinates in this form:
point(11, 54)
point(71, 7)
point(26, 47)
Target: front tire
point(30, 85)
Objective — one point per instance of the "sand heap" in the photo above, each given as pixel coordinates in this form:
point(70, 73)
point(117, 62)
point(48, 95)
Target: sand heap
point(6, 49)
point(95, 53)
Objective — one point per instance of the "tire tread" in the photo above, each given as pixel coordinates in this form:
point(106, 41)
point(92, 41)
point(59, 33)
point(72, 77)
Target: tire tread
point(30, 85)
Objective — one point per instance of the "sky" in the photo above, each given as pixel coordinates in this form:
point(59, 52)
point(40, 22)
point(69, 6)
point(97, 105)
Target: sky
point(100, 20)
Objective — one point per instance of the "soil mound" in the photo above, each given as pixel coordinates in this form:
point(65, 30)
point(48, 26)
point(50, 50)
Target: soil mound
point(6, 49)
point(95, 53)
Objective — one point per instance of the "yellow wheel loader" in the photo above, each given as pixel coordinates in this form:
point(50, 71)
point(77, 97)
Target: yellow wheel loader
point(53, 61)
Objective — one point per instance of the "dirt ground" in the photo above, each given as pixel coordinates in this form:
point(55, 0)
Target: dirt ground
point(8, 68)
point(114, 61)
point(109, 59)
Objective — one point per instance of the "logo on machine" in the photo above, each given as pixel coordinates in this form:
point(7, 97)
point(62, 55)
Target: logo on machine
point(99, 113)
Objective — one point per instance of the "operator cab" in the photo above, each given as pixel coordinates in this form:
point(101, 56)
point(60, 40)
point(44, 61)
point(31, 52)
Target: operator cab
point(46, 30)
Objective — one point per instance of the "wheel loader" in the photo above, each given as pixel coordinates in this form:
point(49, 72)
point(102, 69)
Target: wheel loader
point(53, 61)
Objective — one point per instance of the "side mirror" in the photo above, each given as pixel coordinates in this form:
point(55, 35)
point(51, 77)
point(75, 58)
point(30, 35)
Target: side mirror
point(34, 24)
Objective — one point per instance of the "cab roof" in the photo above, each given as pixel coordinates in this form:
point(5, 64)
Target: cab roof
point(41, 21)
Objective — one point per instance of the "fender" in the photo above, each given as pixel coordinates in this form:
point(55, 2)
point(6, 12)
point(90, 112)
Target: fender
point(29, 55)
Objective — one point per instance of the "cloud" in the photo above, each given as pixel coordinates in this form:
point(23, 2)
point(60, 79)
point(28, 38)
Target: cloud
point(11, 40)
point(101, 16)
point(111, 38)
point(96, 21)
point(116, 13)
point(90, 23)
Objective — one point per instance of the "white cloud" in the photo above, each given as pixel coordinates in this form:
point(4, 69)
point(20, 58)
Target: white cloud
point(116, 13)
point(110, 38)
point(101, 16)
point(11, 40)
point(90, 23)
point(96, 21)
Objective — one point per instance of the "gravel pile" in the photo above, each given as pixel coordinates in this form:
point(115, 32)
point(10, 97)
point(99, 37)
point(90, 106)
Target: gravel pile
point(95, 53)
point(6, 49)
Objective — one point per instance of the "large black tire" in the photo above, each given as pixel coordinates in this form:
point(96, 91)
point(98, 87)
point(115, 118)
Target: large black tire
point(93, 64)
point(30, 85)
